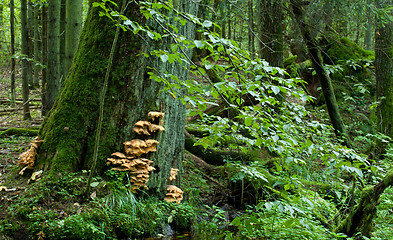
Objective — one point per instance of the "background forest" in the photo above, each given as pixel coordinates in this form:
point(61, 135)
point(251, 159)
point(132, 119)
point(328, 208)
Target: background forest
point(196, 119)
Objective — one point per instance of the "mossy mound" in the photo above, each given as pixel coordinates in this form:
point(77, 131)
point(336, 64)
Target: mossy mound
point(344, 49)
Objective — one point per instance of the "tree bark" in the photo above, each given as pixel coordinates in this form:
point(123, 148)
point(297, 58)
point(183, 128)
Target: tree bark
point(369, 27)
point(73, 30)
point(44, 54)
point(384, 76)
point(12, 30)
point(30, 22)
point(270, 29)
point(52, 87)
point(251, 38)
point(316, 58)
point(25, 63)
point(36, 80)
point(62, 55)
point(69, 129)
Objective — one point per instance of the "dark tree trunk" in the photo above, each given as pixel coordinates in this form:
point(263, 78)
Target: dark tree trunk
point(270, 29)
point(323, 76)
point(251, 46)
point(25, 63)
point(384, 76)
point(12, 16)
point(69, 130)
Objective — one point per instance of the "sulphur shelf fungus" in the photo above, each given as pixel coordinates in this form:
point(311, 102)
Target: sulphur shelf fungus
point(137, 147)
point(139, 168)
point(142, 127)
point(174, 194)
point(140, 176)
point(151, 145)
point(27, 158)
point(156, 115)
point(120, 161)
point(156, 128)
point(173, 174)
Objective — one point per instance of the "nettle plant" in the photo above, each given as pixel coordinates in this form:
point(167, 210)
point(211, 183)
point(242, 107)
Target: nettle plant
point(264, 106)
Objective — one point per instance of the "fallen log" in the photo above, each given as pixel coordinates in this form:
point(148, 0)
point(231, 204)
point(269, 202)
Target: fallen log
point(20, 132)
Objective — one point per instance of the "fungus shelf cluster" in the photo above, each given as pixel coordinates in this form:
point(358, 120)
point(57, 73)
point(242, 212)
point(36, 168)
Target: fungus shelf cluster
point(27, 158)
point(133, 161)
point(174, 194)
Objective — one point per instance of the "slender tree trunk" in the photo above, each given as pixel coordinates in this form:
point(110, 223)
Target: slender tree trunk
point(229, 24)
point(12, 29)
point(1, 25)
point(62, 55)
point(36, 80)
point(251, 46)
point(270, 29)
point(69, 129)
point(53, 79)
point(369, 27)
point(384, 76)
point(73, 30)
point(44, 54)
point(30, 22)
point(316, 58)
point(25, 53)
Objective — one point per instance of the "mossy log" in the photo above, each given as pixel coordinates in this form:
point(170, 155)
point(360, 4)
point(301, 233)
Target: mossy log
point(361, 217)
point(19, 132)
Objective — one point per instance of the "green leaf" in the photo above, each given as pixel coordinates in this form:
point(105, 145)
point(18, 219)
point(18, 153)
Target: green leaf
point(150, 34)
point(207, 24)
point(289, 222)
point(164, 58)
point(94, 184)
point(236, 221)
point(248, 121)
point(275, 89)
point(199, 44)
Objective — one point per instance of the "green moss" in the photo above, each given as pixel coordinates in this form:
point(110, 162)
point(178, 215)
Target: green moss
point(345, 49)
point(290, 60)
point(19, 132)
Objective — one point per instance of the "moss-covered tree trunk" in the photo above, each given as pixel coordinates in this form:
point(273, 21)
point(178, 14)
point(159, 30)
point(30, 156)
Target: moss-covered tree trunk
point(384, 76)
point(69, 130)
point(298, 7)
point(360, 219)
